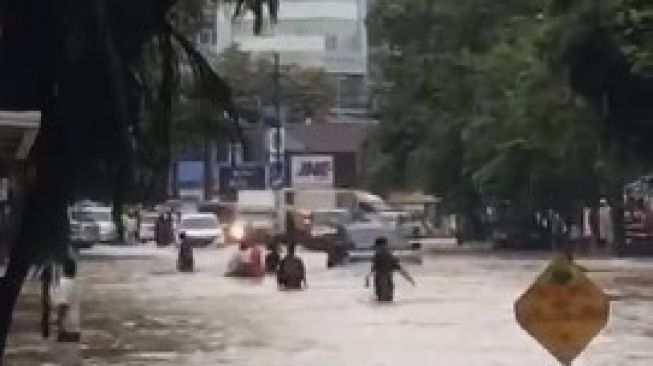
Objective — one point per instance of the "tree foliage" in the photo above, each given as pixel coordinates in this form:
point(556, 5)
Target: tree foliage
point(496, 101)
point(307, 92)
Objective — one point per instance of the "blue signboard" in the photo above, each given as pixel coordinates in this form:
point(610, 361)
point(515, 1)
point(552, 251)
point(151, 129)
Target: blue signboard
point(190, 174)
point(234, 178)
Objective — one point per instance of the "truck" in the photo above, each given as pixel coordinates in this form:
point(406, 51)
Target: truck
point(256, 217)
point(316, 213)
point(361, 205)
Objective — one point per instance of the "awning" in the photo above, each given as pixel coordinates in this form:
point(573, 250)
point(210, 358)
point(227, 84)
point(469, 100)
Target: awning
point(413, 198)
point(18, 131)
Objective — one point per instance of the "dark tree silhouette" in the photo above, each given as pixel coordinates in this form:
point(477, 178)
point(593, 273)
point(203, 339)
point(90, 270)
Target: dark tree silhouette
point(82, 63)
point(600, 72)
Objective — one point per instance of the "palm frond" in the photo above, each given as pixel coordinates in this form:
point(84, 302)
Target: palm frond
point(209, 83)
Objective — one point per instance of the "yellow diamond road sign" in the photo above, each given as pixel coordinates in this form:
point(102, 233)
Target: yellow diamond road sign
point(563, 310)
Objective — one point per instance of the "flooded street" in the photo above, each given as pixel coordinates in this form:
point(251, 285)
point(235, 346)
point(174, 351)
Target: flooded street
point(138, 310)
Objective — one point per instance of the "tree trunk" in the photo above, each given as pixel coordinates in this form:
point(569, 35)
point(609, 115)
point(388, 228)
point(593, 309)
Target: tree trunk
point(44, 232)
point(10, 287)
point(618, 224)
point(46, 299)
point(208, 163)
point(616, 199)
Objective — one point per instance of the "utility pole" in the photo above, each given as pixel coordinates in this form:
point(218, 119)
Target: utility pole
point(277, 109)
point(208, 150)
point(278, 166)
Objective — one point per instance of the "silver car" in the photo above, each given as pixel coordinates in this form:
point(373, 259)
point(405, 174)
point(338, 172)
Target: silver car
point(84, 231)
point(359, 239)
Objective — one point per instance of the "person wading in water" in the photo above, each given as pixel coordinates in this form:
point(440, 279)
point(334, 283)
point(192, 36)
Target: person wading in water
point(384, 264)
point(185, 259)
point(292, 272)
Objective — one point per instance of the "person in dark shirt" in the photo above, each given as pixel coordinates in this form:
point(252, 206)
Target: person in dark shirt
point(185, 259)
point(273, 258)
point(384, 264)
point(292, 273)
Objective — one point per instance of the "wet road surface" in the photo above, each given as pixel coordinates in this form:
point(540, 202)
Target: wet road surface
point(138, 310)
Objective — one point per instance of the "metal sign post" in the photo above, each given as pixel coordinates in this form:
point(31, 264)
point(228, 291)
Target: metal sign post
point(278, 182)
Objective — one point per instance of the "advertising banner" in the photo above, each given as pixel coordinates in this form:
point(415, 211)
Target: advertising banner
point(312, 171)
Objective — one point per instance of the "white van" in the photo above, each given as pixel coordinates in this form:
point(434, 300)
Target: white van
point(201, 229)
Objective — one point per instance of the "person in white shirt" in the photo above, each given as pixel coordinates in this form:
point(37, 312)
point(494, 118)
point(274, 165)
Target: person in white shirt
point(130, 223)
point(606, 231)
point(68, 316)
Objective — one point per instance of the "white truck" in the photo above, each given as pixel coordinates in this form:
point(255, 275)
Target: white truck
point(361, 205)
point(256, 217)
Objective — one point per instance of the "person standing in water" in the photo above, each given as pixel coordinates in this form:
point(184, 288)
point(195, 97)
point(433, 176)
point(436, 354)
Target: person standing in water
point(273, 258)
point(240, 261)
point(185, 259)
point(384, 264)
point(67, 350)
point(292, 272)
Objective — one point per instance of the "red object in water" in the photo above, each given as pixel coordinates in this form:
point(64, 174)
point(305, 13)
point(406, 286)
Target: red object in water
point(256, 263)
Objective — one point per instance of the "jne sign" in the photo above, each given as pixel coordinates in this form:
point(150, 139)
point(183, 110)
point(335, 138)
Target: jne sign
point(312, 171)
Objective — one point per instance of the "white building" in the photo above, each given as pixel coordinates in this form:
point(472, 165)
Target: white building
point(328, 34)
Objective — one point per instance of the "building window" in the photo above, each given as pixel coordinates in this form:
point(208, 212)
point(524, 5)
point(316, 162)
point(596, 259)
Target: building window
point(205, 37)
point(331, 42)
point(208, 18)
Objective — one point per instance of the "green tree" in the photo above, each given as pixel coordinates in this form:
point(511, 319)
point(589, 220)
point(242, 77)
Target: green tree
point(307, 92)
point(481, 116)
point(432, 89)
point(604, 47)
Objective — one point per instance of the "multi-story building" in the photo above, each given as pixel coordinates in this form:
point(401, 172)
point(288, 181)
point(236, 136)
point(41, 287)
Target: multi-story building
point(327, 34)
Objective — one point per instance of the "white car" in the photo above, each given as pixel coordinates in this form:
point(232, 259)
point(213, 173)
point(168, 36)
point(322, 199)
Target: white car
point(201, 229)
point(84, 232)
point(102, 216)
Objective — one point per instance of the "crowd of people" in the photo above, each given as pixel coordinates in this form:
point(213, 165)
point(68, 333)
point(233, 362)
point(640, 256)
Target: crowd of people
point(248, 262)
point(290, 270)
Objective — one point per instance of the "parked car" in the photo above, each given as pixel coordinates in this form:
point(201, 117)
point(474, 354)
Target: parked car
point(84, 231)
point(201, 229)
point(519, 235)
point(225, 211)
point(317, 229)
point(359, 239)
point(101, 215)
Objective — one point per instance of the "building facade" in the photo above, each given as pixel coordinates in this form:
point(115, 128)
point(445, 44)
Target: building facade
point(326, 34)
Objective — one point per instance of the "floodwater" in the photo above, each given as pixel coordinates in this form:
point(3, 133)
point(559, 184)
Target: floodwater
point(139, 311)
